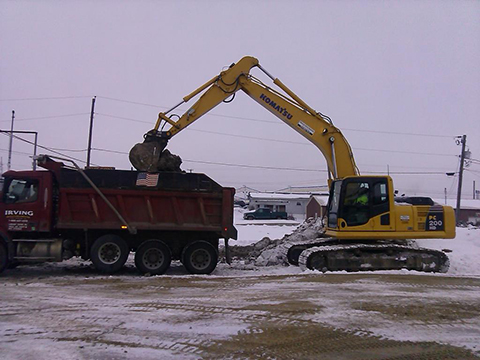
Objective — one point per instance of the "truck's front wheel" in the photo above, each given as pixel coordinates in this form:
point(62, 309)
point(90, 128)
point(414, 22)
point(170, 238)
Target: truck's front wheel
point(153, 257)
point(200, 257)
point(109, 253)
point(3, 256)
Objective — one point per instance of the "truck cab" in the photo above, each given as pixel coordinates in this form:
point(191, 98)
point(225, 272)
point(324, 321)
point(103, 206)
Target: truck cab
point(26, 204)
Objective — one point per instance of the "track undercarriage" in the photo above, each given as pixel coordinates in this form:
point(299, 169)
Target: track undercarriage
point(329, 254)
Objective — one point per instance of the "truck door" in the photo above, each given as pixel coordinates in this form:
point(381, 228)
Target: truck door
point(27, 203)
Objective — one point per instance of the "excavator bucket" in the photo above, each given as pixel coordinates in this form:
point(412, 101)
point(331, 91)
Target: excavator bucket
point(146, 156)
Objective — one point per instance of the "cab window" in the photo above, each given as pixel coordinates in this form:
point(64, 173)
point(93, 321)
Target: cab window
point(355, 205)
point(380, 195)
point(380, 198)
point(21, 191)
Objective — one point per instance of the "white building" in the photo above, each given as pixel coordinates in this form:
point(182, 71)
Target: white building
point(293, 204)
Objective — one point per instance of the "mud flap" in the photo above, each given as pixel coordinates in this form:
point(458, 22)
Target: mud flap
point(228, 256)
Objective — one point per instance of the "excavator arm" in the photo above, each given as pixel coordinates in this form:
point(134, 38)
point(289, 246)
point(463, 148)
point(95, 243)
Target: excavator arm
point(288, 107)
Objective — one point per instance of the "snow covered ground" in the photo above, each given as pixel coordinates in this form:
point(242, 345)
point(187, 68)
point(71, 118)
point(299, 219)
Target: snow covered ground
point(245, 311)
point(465, 251)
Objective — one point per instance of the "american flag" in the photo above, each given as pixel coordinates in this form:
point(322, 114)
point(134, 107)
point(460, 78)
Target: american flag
point(146, 179)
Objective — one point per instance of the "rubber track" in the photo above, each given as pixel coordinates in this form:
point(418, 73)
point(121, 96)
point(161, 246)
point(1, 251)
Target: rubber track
point(291, 250)
point(371, 257)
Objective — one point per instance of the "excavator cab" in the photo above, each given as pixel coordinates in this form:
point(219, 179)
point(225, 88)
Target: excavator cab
point(364, 207)
point(360, 203)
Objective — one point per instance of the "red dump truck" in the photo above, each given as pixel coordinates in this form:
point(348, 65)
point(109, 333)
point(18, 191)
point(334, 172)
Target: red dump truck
point(104, 214)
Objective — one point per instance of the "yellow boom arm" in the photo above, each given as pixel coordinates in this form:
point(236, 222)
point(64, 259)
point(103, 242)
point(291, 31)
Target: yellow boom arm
point(288, 107)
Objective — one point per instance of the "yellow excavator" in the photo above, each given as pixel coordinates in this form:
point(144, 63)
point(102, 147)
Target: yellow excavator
point(367, 227)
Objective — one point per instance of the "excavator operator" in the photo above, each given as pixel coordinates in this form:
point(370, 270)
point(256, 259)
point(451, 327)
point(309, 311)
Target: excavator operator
point(362, 198)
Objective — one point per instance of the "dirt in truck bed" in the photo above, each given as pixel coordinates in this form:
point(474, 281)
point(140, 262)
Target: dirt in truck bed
point(263, 313)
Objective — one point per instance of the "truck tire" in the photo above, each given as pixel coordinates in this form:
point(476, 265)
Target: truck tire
point(109, 253)
point(3, 256)
point(153, 257)
point(249, 217)
point(200, 257)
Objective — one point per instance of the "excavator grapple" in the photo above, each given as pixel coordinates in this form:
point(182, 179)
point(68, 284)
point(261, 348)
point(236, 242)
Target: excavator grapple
point(146, 156)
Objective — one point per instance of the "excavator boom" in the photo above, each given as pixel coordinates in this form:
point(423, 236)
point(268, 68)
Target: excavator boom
point(288, 107)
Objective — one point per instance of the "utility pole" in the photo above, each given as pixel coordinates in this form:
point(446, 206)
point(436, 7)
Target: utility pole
point(90, 132)
point(34, 163)
point(463, 141)
point(9, 164)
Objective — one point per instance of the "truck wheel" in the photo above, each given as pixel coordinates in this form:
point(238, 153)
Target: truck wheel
point(153, 257)
point(200, 257)
point(249, 217)
point(109, 253)
point(3, 257)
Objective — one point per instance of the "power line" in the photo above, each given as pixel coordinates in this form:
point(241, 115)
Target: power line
point(405, 152)
point(251, 137)
point(409, 172)
point(281, 141)
point(45, 148)
point(278, 122)
point(281, 168)
point(46, 98)
point(399, 133)
point(16, 152)
point(47, 117)
point(254, 166)
point(125, 118)
point(213, 114)
point(110, 151)
point(70, 150)
point(477, 173)
point(130, 102)
point(225, 164)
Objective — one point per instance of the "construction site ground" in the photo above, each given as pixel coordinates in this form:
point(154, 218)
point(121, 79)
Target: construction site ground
point(68, 311)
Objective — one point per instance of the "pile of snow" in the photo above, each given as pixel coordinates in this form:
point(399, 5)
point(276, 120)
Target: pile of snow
point(269, 251)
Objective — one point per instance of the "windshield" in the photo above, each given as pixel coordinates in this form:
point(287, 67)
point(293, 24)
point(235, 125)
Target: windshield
point(334, 203)
point(334, 200)
point(21, 191)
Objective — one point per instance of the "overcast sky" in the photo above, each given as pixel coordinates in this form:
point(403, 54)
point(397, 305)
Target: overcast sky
point(401, 79)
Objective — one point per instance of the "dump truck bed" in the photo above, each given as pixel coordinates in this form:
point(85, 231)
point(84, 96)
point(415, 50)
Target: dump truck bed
point(163, 201)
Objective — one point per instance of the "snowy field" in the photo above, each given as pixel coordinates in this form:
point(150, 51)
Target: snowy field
point(244, 311)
